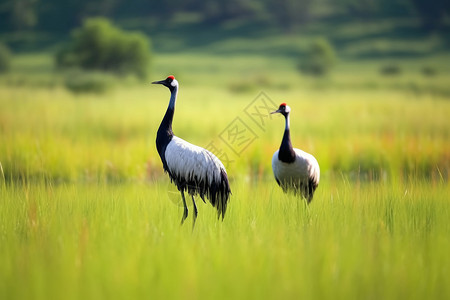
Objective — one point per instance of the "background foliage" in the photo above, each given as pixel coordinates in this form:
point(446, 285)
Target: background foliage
point(98, 45)
point(319, 58)
point(53, 15)
point(5, 58)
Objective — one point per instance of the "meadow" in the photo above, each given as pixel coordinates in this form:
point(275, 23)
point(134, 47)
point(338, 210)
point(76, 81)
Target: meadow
point(86, 211)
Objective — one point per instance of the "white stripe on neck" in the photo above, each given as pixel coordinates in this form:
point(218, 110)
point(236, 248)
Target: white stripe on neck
point(287, 122)
point(173, 98)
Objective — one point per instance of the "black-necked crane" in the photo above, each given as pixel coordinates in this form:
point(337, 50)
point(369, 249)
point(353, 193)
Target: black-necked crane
point(191, 168)
point(294, 169)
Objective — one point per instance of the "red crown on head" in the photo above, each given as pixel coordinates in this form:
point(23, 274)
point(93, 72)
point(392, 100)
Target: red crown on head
point(283, 104)
point(171, 77)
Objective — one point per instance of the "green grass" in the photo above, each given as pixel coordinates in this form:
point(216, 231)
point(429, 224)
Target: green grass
point(59, 136)
point(364, 240)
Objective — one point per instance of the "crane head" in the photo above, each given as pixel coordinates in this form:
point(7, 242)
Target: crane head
point(169, 82)
point(283, 109)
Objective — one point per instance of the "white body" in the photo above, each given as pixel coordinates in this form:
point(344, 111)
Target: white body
point(304, 168)
point(189, 161)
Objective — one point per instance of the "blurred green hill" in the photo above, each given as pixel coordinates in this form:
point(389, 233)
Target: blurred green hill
point(399, 44)
point(37, 24)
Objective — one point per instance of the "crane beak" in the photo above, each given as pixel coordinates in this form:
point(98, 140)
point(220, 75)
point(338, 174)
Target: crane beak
point(275, 112)
point(158, 82)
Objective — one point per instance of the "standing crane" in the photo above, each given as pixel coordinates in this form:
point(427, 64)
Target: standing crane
point(294, 169)
point(191, 168)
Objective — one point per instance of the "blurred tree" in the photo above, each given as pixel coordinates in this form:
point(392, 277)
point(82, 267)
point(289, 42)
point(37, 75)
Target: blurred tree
point(390, 69)
point(79, 82)
point(288, 13)
point(319, 58)
point(361, 8)
point(56, 15)
point(433, 12)
point(5, 58)
point(61, 16)
point(98, 45)
point(160, 10)
point(217, 11)
point(24, 13)
point(136, 8)
point(18, 14)
point(376, 8)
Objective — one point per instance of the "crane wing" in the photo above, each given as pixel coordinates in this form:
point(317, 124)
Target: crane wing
point(192, 162)
point(309, 164)
point(198, 171)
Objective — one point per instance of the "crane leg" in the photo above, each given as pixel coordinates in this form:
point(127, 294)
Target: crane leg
point(185, 212)
point(195, 211)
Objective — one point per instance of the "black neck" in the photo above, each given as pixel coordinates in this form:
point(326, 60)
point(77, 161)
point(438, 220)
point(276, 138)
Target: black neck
point(165, 133)
point(286, 153)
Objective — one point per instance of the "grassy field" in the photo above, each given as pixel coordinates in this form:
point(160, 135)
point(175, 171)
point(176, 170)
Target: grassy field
point(86, 211)
point(365, 240)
